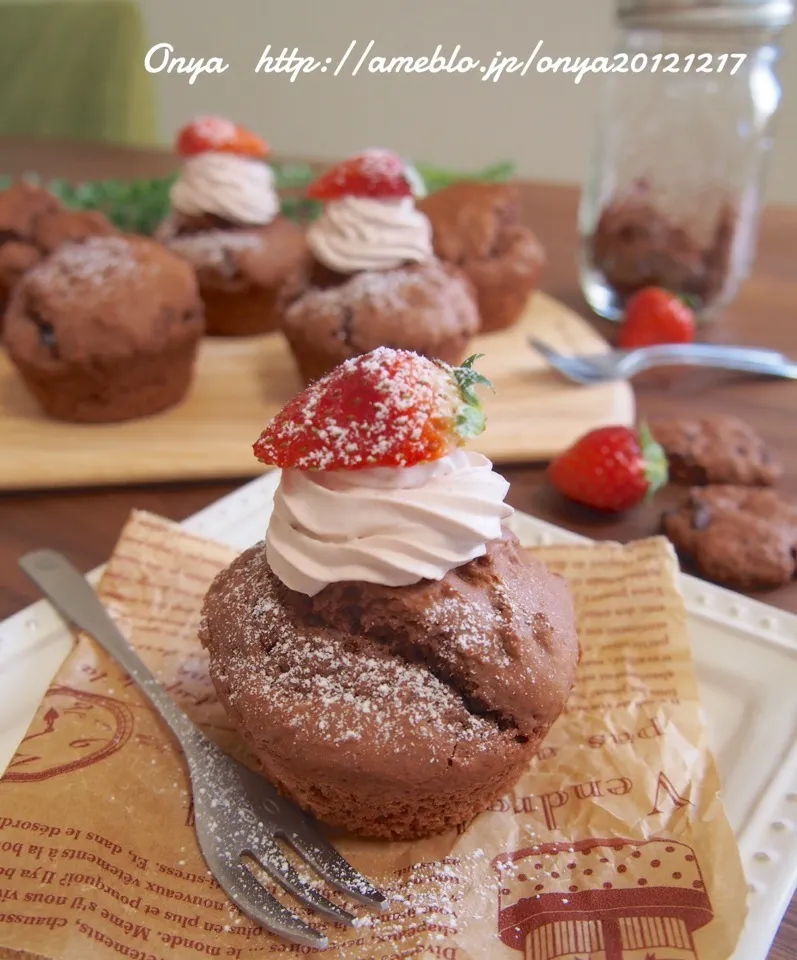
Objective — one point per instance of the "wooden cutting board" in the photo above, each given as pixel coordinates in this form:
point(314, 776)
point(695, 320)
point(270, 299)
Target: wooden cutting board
point(241, 383)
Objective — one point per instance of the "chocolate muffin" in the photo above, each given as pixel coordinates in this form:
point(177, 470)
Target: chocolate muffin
point(240, 270)
point(33, 224)
point(477, 227)
point(394, 712)
point(106, 329)
point(424, 307)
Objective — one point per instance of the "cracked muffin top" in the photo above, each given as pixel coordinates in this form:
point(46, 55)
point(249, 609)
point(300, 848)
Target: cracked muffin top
point(377, 677)
point(433, 302)
point(225, 257)
point(103, 298)
point(33, 224)
point(478, 221)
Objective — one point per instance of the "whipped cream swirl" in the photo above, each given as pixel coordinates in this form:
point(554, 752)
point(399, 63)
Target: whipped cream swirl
point(238, 189)
point(357, 233)
point(389, 525)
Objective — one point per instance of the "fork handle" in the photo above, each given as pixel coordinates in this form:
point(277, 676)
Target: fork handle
point(72, 595)
point(751, 359)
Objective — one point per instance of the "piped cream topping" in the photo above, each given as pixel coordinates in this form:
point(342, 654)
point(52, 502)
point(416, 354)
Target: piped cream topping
point(388, 525)
point(356, 233)
point(238, 189)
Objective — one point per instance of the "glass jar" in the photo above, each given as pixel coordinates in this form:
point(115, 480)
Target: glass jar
point(674, 190)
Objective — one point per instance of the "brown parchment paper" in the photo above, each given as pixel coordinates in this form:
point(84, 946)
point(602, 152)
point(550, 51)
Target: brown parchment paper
point(613, 845)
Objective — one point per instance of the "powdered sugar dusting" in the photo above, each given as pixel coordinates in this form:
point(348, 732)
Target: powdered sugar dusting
point(211, 249)
point(387, 689)
point(376, 171)
point(399, 396)
point(389, 291)
point(334, 688)
point(97, 260)
point(215, 131)
point(468, 626)
point(379, 162)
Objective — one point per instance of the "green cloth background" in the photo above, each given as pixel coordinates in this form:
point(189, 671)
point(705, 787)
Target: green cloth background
point(75, 69)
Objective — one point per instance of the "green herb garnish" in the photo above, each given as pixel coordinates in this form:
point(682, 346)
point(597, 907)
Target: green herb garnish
point(138, 206)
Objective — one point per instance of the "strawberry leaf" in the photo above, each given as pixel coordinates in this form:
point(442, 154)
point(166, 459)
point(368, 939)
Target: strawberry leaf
point(467, 379)
point(470, 421)
point(655, 460)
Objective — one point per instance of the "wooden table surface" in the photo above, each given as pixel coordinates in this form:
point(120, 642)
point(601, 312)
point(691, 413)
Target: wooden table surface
point(85, 523)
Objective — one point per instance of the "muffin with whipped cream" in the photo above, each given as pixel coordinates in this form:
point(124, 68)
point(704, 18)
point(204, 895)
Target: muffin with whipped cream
point(373, 279)
point(390, 653)
point(225, 220)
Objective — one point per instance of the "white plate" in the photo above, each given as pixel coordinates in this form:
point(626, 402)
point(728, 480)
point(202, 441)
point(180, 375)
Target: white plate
point(745, 654)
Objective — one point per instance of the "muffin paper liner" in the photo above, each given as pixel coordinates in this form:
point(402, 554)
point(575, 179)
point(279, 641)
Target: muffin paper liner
point(614, 845)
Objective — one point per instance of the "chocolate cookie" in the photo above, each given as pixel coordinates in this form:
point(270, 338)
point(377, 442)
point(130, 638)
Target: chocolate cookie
point(742, 537)
point(106, 329)
point(424, 307)
point(478, 227)
point(715, 450)
point(394, 712)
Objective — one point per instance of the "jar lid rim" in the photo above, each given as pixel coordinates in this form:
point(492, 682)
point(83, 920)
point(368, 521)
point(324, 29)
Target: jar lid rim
point(706, 14)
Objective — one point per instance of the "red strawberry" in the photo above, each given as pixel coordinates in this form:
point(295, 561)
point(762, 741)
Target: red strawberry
point(219, 135)
point(611, 468)
point(387, 408)
point(655, 316)
point(379, 174)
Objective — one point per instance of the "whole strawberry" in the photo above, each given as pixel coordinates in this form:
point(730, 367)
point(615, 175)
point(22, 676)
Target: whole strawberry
point(387, 408)
point(376, 174)
point(611, 468)
point(655, 316)
point(218, 135)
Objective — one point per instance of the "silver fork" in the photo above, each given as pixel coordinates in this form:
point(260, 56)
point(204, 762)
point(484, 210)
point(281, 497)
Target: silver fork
point(236, 812)
point(624, 364)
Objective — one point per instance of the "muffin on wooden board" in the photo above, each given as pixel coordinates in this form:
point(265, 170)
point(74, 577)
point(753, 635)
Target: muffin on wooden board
point(390, 653)
point(373, 279)
point(225, 221)
point(33, 224)
point(477, 227)
point(106, 330)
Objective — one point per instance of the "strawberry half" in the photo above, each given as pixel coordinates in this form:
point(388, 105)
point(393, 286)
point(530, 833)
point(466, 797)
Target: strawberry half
point(218, 135)
point(377, 174)
point(611, 468)
point(387, 408)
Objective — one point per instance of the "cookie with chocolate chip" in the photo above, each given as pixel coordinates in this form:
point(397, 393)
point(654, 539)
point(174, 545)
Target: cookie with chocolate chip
point(742, 537)
point(715, 450)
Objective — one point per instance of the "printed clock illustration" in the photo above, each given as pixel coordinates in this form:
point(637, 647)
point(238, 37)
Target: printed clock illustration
point(72, 730)
point(602, 900)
